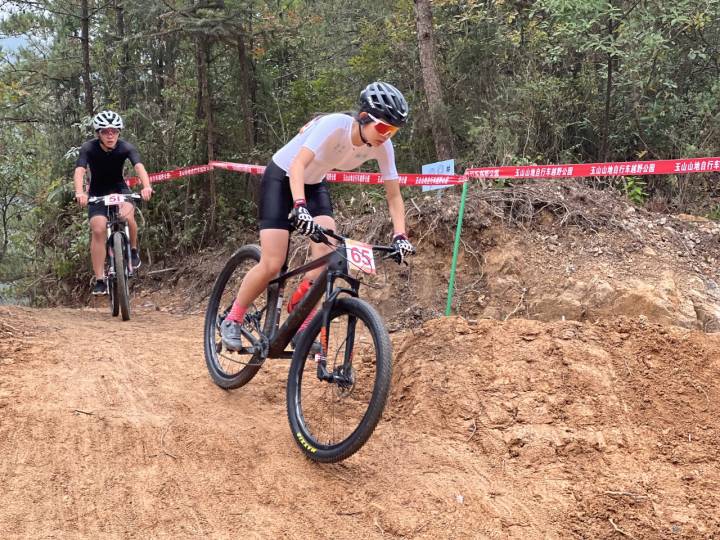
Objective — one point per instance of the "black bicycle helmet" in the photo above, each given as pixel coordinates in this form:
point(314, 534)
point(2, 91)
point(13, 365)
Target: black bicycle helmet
point(384, 102)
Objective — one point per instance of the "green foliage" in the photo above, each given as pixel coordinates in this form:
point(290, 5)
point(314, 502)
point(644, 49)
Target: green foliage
point(714, 214)
point(634, 189)
point(523, 82)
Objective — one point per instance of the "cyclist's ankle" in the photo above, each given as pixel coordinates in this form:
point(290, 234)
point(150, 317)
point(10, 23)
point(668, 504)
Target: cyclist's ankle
point(237, 312)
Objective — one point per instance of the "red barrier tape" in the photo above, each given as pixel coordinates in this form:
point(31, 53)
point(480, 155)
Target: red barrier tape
point(165, 176)
point(626, 168)
point(238, 167)
point(355, 177)
point(404, 179)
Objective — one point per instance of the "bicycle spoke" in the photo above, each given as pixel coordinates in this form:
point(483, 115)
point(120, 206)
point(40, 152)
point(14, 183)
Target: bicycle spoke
point(332, 410)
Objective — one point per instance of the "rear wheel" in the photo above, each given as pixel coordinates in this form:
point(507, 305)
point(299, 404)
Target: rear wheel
point(332, 419)
point(122, 289)
point(233, 369)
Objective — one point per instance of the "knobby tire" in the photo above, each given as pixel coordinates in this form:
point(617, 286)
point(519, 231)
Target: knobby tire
point(246, 254)
point(303, 434)
point(122, 289)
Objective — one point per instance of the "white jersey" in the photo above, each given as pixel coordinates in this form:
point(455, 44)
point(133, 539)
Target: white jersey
point(329, 138)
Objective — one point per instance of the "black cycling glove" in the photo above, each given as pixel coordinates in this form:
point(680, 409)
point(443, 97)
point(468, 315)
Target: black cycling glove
point(403, 248)
point(301, 220)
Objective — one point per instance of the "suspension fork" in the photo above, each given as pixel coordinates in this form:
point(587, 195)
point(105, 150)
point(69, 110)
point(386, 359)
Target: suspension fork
point(109, 251)
point(342, 374)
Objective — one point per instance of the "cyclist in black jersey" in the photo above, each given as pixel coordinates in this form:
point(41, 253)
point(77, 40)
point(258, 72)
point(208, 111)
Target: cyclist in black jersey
point(105, 156)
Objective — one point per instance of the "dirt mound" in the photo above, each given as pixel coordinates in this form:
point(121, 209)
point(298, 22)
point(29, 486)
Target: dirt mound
point(516, 429)
point(619, 417)
point(559, 251)
point(565, 251)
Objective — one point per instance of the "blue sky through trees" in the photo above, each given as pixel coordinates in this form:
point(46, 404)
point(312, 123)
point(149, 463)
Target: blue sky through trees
point(9, 43)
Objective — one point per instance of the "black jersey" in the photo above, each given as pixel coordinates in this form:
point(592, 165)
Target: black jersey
point(106, 168)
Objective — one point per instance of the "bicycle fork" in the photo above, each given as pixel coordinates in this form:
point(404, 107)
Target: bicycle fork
point(343, 374)
point(110, 254)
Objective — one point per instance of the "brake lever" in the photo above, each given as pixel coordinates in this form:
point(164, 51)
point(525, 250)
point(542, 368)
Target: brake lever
point(319, 237)
point(394, 256)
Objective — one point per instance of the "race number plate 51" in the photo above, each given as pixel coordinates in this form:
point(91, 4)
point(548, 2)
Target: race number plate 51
point(113, 200)
point(361, 256)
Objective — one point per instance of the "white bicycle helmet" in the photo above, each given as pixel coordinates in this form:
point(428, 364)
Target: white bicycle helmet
point(107, 119)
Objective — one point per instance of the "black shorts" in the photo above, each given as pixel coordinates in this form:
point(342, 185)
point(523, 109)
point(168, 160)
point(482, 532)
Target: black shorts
point(276, 199)
point(101, 209)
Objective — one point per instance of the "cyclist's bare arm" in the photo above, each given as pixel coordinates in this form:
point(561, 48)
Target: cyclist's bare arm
point(79, 179)
point(296, 172)
point(396, 206)
point(146, 190)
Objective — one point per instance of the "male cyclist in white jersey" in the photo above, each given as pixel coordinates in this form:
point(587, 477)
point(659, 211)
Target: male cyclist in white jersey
point(294, 193)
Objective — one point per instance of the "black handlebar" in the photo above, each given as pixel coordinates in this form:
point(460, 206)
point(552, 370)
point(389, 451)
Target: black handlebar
point(321, 237)
point(125, 196)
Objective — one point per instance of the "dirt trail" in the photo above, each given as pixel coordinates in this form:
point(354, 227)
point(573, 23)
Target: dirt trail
point(517, 429)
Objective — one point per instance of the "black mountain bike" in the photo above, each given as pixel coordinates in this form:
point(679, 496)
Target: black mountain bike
point(118, 263)
point(339, 377)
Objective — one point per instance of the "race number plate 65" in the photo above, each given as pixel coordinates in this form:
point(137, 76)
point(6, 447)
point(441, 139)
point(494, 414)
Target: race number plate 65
point(113, 200)
point(360, 255)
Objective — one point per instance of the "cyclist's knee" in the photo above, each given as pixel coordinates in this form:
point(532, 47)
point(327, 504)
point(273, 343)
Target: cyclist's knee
point(327, 222)
point(97, 226)
point(128, 214)
point(271, 266)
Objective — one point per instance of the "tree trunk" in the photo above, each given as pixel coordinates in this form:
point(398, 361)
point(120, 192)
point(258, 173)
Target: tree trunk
point(160, 71)
point(605, 144)
point(85, 40)
point(206, 113)
point(7, 200)
point(245, 85)
point(123, 90)
point(5, 232)
point(442, 134)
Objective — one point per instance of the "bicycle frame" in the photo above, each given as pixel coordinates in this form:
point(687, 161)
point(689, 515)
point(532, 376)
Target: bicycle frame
point(275, 338)
point(115, 223)
point(340, 371)
point(280, 336)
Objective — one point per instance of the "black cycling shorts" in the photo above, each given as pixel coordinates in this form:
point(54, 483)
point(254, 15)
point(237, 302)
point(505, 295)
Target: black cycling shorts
point(101, 209)
point(276, 199)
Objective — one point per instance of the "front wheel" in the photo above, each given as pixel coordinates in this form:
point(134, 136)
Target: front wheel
point(112, 295)
point(336, 398)
point(233, 369)
point(122, 288)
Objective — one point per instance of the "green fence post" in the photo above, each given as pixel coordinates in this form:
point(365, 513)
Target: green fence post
point(456, 248)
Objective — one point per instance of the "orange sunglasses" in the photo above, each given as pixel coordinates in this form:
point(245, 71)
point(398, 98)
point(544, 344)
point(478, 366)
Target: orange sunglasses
point(383, 128)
